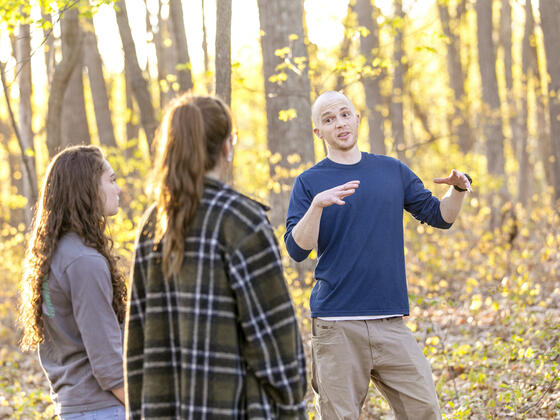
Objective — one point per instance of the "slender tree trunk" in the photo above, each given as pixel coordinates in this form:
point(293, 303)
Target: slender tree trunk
point(48, 46)
point(132, 128)
point(98, 88)
point(160, 49)
point(184, 75)
point(281, 22)
point(528, 76)
point(492, 119)
point(369, 47)
point(205, 47)
point(137, 80)
point(459, 124)
point(23, 55)
point(345, 46)
point(512, 108)
point(550, 22)
point(75, 129)
point(223, 50)
point(397, 96)
point(152, 35)
point(61, 78)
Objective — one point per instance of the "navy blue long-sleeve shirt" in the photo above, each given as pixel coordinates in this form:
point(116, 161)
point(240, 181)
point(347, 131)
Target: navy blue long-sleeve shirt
point(361, 268)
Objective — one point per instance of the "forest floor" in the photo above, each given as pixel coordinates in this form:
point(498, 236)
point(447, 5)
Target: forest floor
point(501, 363)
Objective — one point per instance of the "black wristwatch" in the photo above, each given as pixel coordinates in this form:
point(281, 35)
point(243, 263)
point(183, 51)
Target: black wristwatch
point(463, 189)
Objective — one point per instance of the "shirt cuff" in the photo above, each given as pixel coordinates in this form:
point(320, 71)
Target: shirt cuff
point(442, 224)
point(296, 252)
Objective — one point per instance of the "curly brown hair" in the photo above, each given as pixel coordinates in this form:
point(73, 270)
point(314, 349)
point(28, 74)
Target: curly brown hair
point(189, 142)
point(70, 201)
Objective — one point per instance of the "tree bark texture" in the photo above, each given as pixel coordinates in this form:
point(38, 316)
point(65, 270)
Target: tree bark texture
point(132, 129)
point(512, 107)
point(48, 46)
point(345, 46)
point(550, 22)
point(98, 87)
point(61, 78)
point(205, 47)
point(137, 80)
point(491, 117)
point(23, 56)
point(527, 78)
point(184, 75)
point(75, 129)
point(369, 47)
point(397, 96)
point(282, 26)
point(459, 125)
point(223, 50)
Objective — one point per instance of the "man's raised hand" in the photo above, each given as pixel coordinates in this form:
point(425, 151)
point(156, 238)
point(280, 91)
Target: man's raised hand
point(335, 195)
point(455, 178)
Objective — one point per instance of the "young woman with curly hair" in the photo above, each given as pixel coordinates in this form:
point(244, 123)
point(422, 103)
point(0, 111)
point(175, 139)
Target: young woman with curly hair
point(73, 295)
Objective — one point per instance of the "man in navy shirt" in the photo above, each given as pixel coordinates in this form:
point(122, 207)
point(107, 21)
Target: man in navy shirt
point(350, 207)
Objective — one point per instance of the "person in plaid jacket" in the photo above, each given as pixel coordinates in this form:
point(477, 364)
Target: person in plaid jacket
point(211, 331)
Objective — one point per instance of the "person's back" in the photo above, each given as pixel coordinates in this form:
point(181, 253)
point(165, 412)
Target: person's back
point(79, 272)
point(73, 300)
point(217, 338)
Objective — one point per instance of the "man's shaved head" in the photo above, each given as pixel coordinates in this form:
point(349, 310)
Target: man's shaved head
point(326, 98)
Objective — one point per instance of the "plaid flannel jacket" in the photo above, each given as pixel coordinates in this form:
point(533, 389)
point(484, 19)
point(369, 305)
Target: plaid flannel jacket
point(220, 340)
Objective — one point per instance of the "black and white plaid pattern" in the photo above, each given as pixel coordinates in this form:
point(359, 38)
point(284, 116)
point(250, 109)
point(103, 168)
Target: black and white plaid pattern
point(220, 340)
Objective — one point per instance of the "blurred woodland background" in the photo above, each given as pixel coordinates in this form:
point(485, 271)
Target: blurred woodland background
point(440, 84)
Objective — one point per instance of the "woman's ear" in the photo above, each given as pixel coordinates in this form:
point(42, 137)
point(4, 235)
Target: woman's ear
point(228, 149)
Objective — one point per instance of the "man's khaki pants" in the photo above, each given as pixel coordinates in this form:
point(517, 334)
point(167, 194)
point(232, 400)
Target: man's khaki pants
point(347, 354)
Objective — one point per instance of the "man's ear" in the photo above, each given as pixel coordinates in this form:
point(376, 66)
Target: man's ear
point(317, 133)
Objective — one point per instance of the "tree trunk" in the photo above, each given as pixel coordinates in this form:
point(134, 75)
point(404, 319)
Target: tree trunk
point(459, 125)
point(550, 21)
point(137, 80)
point(23, 56)
point(397, 96)
point(75, 129)
point(512, 108)
point(369, 47)
point(223, 50)
point(132, 129)
point(527, 77)
point(345, 46)
point(491, 117)
point(282, 24)
point(48, 46)
point(161, 53)
point(183, 65)
point(98, 88)
point(205, 47)
point(61, 78)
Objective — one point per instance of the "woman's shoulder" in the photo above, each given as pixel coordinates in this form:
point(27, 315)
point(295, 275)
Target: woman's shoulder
point(70, 249)
point(233, 204)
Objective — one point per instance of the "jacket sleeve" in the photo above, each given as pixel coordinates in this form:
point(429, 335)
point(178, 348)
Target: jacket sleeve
point(91, 292)
point(300, 201)
point(271, 344)
point(134, 330)
point(420, 202)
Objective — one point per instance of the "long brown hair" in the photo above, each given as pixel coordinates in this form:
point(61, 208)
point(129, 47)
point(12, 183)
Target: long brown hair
point(189, 143)
point(70, 201)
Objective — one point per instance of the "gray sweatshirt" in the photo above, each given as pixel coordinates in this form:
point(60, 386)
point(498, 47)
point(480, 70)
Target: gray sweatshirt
point(82, 351)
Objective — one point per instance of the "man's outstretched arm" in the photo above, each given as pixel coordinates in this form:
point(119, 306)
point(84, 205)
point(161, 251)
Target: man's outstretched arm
point(451, 202)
